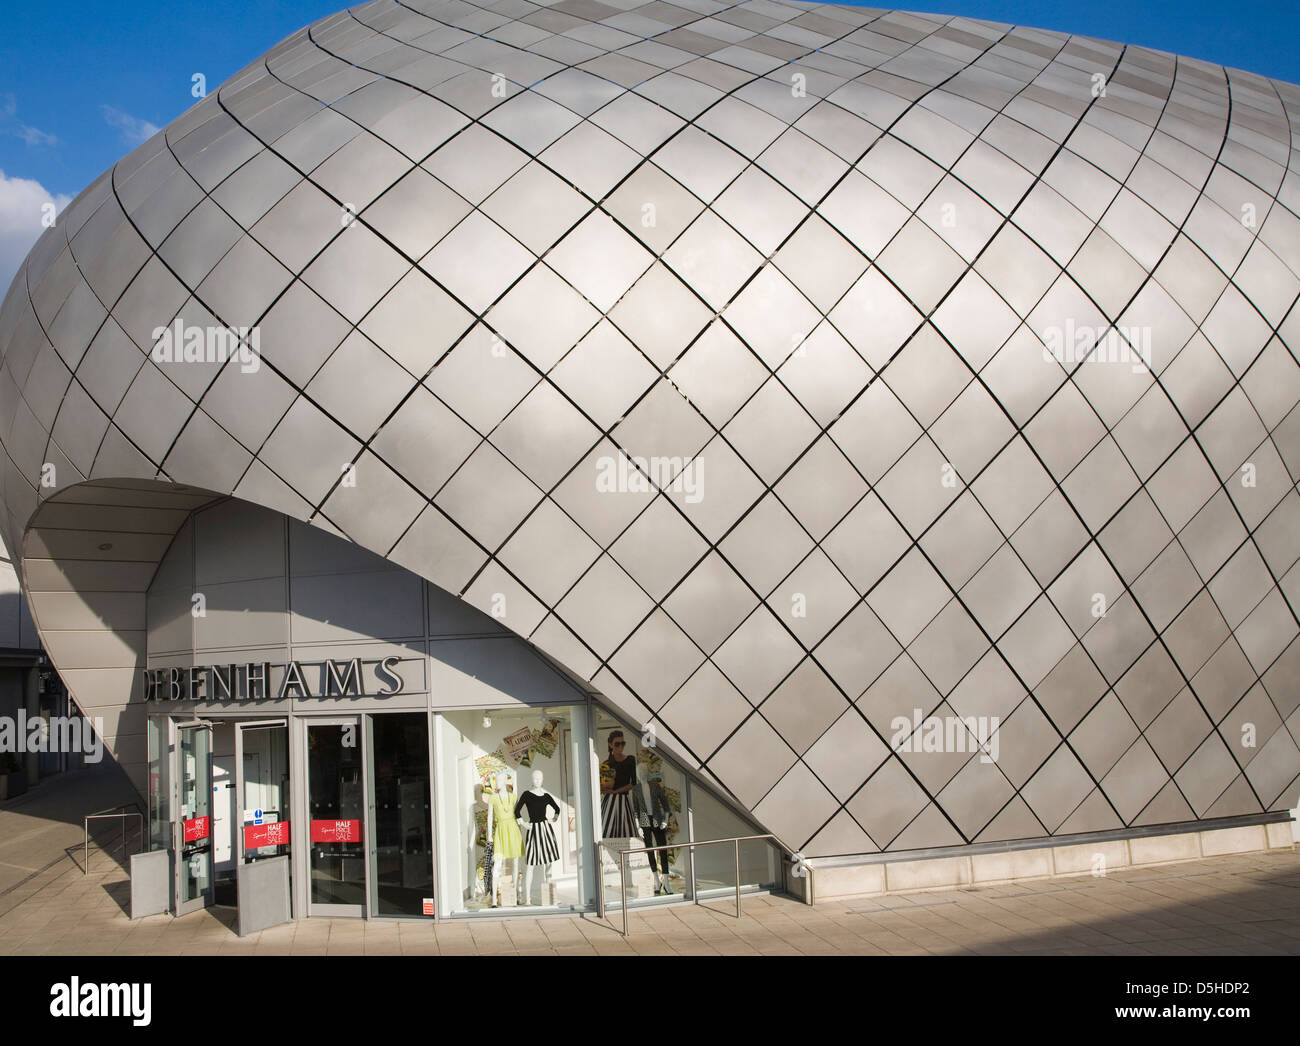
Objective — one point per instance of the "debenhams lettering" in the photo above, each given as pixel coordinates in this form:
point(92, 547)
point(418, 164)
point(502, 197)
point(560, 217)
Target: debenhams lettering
point(265, 681)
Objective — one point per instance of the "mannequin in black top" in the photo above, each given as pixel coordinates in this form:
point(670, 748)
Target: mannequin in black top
point(536, 804)
point(617, 780)
point(540, 848)
point(624, 773)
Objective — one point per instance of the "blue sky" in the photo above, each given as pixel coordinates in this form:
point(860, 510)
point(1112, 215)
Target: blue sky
point(83, 82)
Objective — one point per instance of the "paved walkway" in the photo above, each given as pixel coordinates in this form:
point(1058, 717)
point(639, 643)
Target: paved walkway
point(44, 825)
point(1246, 904)
point(1240, 905)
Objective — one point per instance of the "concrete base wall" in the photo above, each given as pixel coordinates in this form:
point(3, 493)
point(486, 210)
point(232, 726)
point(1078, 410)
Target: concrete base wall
point(947, 873)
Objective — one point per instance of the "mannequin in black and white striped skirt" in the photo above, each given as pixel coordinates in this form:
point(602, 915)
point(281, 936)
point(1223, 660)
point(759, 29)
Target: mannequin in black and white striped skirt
point(540, 848)
point(617, 779)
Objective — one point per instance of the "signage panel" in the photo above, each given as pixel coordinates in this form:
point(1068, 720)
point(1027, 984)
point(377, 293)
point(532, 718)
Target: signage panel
point(197, 828)
point(274, 681)
point(340, 831)
point(274, 834)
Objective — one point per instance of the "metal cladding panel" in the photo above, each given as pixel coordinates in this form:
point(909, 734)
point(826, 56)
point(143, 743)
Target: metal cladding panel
point(836, 389)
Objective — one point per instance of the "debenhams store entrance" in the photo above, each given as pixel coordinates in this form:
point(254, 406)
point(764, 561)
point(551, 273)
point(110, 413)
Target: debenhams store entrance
point(408, 755)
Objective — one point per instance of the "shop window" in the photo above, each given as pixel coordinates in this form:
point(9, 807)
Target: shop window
point(715, 866)
point(513, 832)
point(403, 836)
point(663, 808)
point(642, 805)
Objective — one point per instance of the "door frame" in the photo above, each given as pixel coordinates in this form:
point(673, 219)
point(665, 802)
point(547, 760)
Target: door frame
point(303, 789)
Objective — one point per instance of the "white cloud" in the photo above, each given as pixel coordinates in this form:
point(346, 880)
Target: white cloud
point(30, 135)
point(21, 203)
point(134, 130)
point(35, 136)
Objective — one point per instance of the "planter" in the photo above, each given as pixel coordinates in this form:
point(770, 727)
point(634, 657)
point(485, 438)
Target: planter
point(13, 784)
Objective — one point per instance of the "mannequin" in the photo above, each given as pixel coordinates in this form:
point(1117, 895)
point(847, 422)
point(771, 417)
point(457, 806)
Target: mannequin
point(540, 849)
point(653, 816)
point(480, 800)
point(617, 780)
point(503, 831)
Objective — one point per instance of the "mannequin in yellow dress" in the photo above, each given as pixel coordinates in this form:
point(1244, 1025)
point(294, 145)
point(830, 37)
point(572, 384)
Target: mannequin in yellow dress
point(507, 840)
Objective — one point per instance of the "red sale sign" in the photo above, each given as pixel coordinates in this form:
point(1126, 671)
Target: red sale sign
point(336, 831)
point(273, 834)
point(198, 828)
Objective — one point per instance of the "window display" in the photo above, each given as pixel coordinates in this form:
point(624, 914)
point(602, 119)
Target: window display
point(641, 805)
point(511, 847)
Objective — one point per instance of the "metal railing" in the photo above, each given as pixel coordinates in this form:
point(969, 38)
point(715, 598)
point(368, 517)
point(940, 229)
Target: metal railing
point(624, 854)
point(122, 812)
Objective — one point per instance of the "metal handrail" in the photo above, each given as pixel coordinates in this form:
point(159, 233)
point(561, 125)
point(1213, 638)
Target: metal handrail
point(133, 805)
point(623, 855)
point(105, 815)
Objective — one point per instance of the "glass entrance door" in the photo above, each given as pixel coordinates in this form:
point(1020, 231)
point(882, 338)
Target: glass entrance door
point(159, 738)
point(262, 790)
point(192, 825)
point(336, 801)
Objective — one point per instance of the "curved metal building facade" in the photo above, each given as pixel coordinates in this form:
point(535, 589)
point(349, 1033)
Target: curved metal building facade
point(897, 411)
